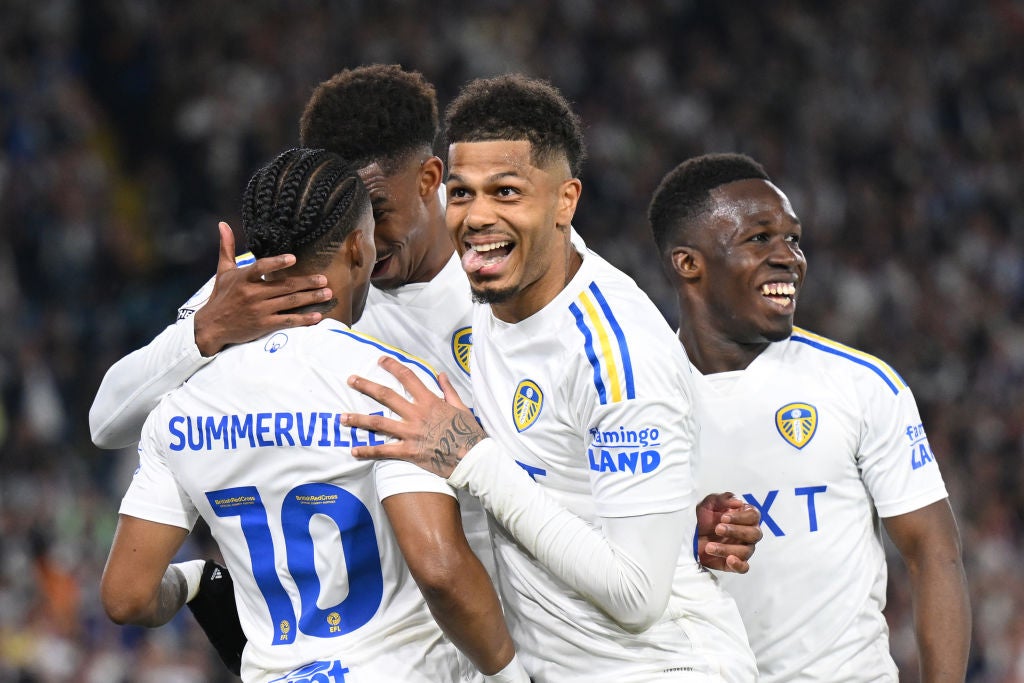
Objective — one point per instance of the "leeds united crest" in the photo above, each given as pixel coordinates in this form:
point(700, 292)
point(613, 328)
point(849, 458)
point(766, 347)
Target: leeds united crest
point(797, 423)
point(526, 404)
point(462, 343)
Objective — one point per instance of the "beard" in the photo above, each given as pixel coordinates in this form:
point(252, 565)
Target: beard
point(493, 296)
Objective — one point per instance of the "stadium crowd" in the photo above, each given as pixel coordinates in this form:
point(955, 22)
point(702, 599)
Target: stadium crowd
point(129, 129)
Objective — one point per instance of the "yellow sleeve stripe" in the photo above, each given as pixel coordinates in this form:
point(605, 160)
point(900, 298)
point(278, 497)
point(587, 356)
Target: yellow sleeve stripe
point(873, 362)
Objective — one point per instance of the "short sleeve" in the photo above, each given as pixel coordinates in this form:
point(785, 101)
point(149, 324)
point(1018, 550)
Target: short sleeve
point(395, 476)
point(896, 461)
point(154, 493)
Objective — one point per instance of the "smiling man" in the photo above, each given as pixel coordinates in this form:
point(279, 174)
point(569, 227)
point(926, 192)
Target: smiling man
point(588, 435)
point(822, 438)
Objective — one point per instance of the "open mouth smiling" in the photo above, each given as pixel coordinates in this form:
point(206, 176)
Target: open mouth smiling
point(486, 256)
point(379, 264)
point(780, 293)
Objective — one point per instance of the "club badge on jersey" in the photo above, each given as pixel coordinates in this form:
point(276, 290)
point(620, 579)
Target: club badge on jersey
point(526, 404)
point(462, 343)
point(797, 423)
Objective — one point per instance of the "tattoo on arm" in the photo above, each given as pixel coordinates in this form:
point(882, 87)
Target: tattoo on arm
point(170, 597)
point(457, 438)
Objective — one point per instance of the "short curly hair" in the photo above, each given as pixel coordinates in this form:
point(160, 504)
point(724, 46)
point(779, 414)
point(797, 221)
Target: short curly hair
point(305, 202)
point(685, 192)
point(377, 113)
point(516, 107)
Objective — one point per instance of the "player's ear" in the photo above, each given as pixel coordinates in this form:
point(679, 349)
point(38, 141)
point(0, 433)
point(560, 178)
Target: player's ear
point(568, 197)
point(431, 174)
point(687, 262)
point(355, 248)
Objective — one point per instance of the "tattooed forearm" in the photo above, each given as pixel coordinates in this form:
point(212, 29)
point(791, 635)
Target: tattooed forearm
point(469, 429)
point(169, 599)
point(454, 441)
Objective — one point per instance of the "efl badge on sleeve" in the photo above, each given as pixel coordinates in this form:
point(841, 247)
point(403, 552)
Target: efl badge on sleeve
point(797, 423)
point(526, 404)
point(462, 343)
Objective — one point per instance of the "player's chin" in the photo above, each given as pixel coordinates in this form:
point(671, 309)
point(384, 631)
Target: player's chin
point(492, 293)
point(778, 330)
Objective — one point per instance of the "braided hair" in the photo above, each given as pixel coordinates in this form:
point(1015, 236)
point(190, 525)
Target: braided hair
point(305, 202)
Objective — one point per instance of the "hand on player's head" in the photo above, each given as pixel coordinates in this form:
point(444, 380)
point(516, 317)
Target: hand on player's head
point(251, 301)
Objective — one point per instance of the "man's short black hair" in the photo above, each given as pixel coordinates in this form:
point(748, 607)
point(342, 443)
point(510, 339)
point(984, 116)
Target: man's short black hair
point(377, 113)
point(516, 107)
point(305, 202)
point(685, 192)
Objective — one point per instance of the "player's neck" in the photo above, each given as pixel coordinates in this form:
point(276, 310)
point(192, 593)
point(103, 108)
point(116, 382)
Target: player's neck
point(439, 252)
point(711, 351)
point(537, 295)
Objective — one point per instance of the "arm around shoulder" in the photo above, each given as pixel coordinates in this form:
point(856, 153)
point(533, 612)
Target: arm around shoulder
point(133, 386)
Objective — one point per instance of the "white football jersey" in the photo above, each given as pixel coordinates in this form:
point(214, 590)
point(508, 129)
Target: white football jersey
point(253, 443)
point(824, 440)
point(430, 319)
point(433, 320)
point(593, 395)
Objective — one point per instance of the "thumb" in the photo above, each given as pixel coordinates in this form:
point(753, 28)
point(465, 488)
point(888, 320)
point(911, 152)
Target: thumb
point(226, 257)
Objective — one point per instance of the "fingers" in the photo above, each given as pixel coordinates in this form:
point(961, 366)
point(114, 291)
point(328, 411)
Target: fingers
point(735, 564)
point(291, 300)
point(410, 382)
point(727, 557)
point(267, 269)
point(743, 515)
point(226, 254)
point(450, 395)
point(384, 395)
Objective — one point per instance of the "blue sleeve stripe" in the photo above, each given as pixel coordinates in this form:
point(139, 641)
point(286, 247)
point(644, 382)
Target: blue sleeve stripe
point(246, 259)
point(588, 342)
point(627, 365)
point(391, 351)
point(888, 375)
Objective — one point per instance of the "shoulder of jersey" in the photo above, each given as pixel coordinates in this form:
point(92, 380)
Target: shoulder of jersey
point(620, 331)
point(847, 359)
point(377, 348)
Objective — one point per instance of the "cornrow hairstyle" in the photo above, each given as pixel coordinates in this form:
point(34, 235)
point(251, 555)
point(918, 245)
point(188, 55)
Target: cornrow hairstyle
point(305, 202)
point(378, 113)
point(685, 192)
point(516, 107)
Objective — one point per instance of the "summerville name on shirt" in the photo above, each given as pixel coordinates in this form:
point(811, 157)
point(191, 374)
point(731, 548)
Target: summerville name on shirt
point(252, 430)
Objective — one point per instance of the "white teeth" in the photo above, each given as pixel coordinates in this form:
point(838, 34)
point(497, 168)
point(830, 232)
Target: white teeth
point(778, 289)
point(489, 247)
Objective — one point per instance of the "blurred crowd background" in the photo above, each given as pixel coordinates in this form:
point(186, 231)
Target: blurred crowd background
point(129, 127)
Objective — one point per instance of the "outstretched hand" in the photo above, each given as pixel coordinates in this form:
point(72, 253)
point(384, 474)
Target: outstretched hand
point(433, 433)
point(251, 301)
point(728, 530)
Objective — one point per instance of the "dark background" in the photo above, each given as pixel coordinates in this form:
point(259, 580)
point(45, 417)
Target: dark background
point(128, 128)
